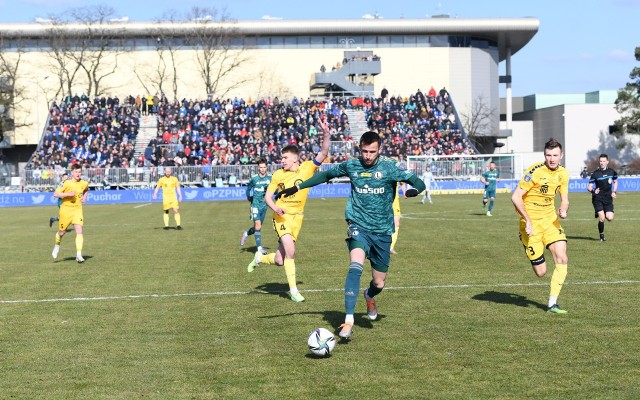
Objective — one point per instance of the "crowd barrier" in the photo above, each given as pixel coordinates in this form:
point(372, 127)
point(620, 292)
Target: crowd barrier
point(625, 184)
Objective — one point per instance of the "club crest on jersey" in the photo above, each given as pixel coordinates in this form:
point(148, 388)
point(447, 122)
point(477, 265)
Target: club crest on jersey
point(527, 178)
point(377, 175)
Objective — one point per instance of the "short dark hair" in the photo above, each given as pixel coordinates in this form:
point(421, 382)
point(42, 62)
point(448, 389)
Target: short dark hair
point(552, 144)
point(262, 160)
point(292, 148)
point(604, 156)
point(369, 137)
point(76, 166)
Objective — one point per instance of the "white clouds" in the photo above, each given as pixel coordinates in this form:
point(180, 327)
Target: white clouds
point(620, 55)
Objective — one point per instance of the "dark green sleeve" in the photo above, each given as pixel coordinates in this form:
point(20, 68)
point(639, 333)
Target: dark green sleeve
point(320, 177)
point(416, 183)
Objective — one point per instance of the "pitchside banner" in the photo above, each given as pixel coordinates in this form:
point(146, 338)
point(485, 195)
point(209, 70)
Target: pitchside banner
point(238, 193)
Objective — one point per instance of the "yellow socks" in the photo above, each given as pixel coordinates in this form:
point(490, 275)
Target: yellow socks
point(290, 271)
point(268, 259)
point(557, 279)
point(165, 217)
point(58, 239)
point(79, 242)
point(177, 216)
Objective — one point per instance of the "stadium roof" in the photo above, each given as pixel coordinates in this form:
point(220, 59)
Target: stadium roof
point(512, 33)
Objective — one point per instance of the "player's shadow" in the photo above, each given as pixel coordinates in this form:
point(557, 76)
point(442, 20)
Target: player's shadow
point(508, 298)
point(252, 249)
point(274, 288)
point(583, 238)
point(86, 258)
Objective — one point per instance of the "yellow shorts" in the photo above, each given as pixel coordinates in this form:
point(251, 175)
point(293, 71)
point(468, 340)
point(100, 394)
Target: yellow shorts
point(546, 232)
point(288, 224)
point(68, 217)
point(396, 205)
point(171, 204)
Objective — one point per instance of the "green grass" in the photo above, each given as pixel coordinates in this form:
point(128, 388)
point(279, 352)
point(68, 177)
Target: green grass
point(174, 315)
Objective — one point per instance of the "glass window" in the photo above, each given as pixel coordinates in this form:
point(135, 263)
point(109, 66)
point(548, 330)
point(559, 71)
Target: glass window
point(290, 42)
point(370, 41)
point(409, 41)
point(396, 41)
point(316, 42)
point(263, 42)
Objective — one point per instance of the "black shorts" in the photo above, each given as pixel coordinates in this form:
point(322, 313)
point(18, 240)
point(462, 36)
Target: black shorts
point(602, 204)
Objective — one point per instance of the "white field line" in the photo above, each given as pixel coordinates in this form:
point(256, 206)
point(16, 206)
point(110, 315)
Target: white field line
point(251, 292)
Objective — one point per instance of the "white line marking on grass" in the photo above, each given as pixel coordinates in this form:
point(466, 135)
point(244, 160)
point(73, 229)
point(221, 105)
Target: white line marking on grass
point(143, 205)
point(203, 294)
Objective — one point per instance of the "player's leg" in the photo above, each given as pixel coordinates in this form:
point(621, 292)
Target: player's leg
point(559, 251)
point(485, 199)
point(79, 241)
point(534, 249)
point(286, 256)
point(608, 215)
point(379, 257)
point(357, 255)
point(63, 222)
point(257, 230)
point(176, 215)
point(165, 218)
point(492, 200)
point(429, 196)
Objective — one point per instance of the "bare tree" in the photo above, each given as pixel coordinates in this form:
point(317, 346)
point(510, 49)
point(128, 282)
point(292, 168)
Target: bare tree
point(215, 55)
point(64, 60)
point(166, 70)
point(82, 39)
point(479, 122)
point(269, 84)
point(628, 103)
point(12, 93)
point(96, 40)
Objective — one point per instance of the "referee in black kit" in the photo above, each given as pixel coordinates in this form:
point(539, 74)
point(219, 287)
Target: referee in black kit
point(603, 186)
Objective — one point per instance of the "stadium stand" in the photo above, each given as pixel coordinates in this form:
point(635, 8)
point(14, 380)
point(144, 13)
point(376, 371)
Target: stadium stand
point(214, 139)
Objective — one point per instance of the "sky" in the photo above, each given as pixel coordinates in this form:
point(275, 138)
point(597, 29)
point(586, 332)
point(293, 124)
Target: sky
point(581, 46)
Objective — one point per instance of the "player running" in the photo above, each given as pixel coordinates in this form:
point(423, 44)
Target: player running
point(539, 226)
point(170, 185)
point(73, 193)
point(256, 189)
point(288, 213)
point(369, 216)
point(489, 178)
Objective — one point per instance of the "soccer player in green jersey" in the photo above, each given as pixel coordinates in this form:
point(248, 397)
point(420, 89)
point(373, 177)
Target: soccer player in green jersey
point(489, 178)
point(63, 178)
point(369, 215)
point(256, 189)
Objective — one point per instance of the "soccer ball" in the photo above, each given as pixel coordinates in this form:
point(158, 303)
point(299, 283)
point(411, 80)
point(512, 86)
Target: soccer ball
point(321, 342)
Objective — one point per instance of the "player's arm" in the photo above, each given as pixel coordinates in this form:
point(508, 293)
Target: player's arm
point(484, 181)
point(155, 192)
point(614, 187)
point(85, 194)
point(268, 198)
point(564, 205)
point(316, 179)
point(179, 190)
point(249, 189)
point(518, 202)
point(326, 141)
point(418, 186)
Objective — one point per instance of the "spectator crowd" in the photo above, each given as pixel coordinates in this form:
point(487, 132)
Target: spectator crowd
point(102, 133)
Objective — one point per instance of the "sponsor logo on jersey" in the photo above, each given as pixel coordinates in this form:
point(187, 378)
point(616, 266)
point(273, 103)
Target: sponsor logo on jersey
point(366, 174)
point(368, 190)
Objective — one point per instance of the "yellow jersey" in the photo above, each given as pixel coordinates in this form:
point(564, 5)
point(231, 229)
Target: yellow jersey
point(542, 184)
point(169, 186)
point(75, 202)
point(283, 179)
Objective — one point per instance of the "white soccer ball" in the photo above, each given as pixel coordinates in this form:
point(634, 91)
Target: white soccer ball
point(321, 342)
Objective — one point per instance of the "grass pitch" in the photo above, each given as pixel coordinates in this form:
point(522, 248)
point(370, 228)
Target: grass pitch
point(174, 314)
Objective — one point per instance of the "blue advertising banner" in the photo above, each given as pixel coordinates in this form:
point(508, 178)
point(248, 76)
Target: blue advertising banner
point(238, 193)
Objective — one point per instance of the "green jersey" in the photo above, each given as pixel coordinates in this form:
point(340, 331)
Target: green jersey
point(257, 187)
point(373, 190)
point(491, 177)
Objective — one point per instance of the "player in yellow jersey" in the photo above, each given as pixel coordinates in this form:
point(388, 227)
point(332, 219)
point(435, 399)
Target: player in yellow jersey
point(534, 199)
point(288, 212)
point(397, 214)
point(73, 193)
point(170, 185)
